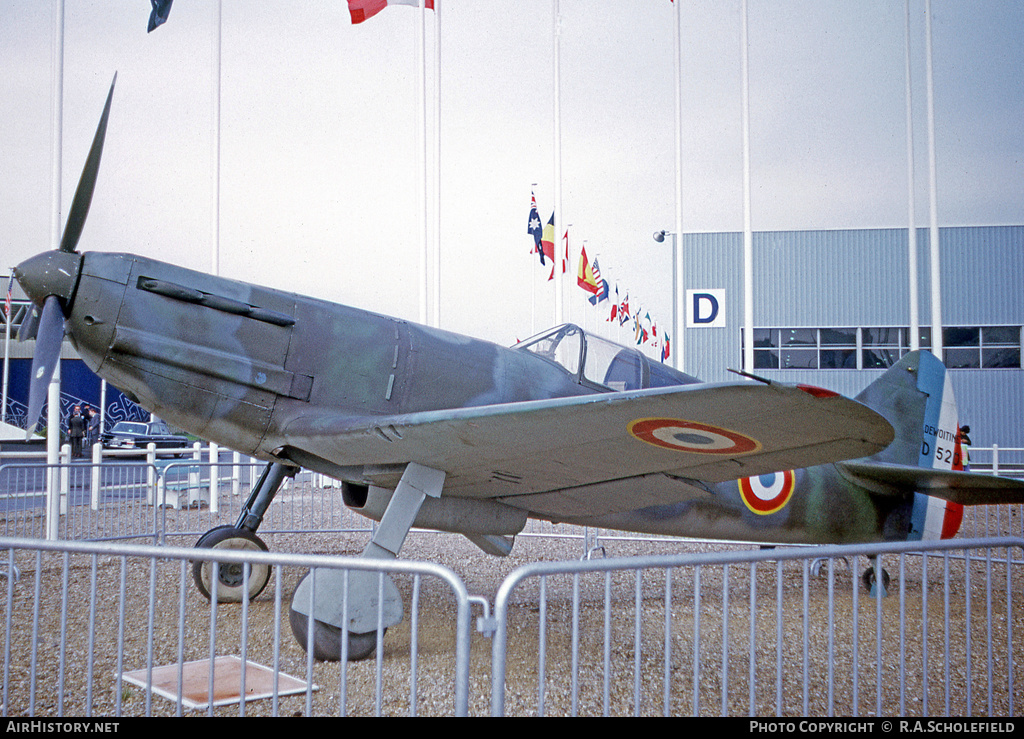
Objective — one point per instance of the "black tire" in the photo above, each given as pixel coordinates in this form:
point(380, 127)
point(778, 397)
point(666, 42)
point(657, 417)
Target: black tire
point(230, 575)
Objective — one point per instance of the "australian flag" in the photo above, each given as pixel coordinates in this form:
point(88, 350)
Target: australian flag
point(535, 228)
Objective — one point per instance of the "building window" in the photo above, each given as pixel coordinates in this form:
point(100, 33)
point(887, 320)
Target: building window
point(837, 348)
point(19, 311)
point(984, 347)
point(805, 348)
point(880, 347)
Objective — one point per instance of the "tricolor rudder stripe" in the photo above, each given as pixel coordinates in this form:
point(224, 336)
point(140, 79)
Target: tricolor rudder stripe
point(940, 447)
point(934, 518)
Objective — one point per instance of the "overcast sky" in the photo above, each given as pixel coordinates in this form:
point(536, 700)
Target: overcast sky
point(319, 149)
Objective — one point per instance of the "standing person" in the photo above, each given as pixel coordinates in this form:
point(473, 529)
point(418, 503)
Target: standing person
point(92, 426)
point(76, 430)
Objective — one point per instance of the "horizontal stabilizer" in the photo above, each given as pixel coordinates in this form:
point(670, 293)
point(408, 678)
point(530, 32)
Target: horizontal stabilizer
point(965, 488)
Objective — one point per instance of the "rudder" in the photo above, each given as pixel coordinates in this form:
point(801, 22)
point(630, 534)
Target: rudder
point(916, 397)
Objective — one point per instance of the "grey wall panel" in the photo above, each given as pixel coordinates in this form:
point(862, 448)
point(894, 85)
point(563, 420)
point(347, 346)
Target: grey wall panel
point(982, 275)
point(714, 261)
point(831, 278)
point(992, 404)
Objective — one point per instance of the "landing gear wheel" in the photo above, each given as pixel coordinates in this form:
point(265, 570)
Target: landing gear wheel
point(870, 580)
point(327, 639)
point(230, 574)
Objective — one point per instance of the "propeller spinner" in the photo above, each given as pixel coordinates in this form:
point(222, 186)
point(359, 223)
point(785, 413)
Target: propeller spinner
point(49, 279)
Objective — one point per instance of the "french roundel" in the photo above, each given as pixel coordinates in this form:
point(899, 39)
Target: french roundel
point(690, 436)
point(767, 493)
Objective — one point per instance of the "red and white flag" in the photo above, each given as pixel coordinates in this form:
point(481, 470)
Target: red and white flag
point(363, 9)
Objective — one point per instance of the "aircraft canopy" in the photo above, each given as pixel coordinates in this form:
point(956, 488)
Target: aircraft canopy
point(602, 364)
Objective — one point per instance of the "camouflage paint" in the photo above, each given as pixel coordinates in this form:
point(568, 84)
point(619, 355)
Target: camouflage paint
point(238, 364)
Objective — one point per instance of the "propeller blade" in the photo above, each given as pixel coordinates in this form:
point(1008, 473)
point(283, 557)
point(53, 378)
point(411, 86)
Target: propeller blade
point(87, 182)
point(30, 323)
point(48, 341)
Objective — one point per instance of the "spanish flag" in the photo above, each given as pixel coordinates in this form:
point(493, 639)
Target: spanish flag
point(585, 276)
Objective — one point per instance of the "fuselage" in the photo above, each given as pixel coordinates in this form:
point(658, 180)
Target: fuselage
point(240, 364)
point(815, 505)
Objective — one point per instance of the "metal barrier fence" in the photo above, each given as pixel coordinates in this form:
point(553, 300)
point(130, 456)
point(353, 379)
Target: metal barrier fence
point(90, 626)
point(1008, 520)
point(156, 498)
point(1004, 461)
point(108, 629)
point(722, 632)
point(754, 633)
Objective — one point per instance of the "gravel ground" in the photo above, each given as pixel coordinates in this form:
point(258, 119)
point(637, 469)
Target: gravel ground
point(67, 671)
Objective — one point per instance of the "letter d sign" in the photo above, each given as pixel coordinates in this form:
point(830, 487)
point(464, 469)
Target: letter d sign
point(705, 308)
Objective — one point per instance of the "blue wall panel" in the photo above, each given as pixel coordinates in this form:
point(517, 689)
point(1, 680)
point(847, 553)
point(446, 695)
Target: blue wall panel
point(860, 278)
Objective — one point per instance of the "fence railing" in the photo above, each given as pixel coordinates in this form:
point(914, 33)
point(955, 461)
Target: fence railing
point(779, 632)
point(108, 629)
point(754, 633)
point(1004, 461)
point(125, 496)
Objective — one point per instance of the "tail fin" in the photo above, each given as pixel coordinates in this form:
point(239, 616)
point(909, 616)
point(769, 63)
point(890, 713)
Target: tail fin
point(915, 396)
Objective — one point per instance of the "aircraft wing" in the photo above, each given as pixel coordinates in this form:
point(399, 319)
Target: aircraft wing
point(708, 433)
point(966, 488)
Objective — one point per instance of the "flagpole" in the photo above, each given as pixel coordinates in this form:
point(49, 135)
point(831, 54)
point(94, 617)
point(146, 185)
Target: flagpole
point(421, 53)
point(533, 301)
point(563, 314)
point(748, 239)
point(933, 245)
point(437, 161)
point(8, 311)
point(556, 71)
point(915, 320)
point(215, 218)
point(57, 123)
point(678, 326)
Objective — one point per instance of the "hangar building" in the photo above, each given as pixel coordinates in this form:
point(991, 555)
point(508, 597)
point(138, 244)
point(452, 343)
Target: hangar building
point(832, 308)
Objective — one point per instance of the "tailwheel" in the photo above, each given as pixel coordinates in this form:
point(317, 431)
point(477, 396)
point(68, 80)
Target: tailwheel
point(327, 646)
point(230, 575)
point(872, 583)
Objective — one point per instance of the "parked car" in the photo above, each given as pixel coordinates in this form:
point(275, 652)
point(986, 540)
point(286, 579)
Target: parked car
point(139, 435)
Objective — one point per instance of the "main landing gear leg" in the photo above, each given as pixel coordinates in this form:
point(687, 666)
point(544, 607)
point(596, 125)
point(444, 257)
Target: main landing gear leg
point(230, 576)
point(359, 603)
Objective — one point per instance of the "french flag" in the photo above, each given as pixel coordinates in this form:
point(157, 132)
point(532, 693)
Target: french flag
point(363, 9)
